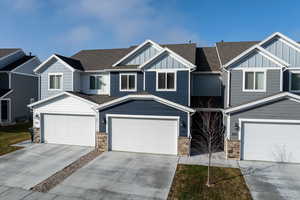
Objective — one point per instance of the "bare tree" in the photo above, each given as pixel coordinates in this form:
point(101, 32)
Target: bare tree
point(209, 125)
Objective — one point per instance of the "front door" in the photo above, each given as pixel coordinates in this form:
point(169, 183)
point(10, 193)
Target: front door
point(5, 110)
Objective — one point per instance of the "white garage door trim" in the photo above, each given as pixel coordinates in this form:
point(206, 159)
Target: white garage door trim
point(243, 120)
point(177, 118)
point(64, 114)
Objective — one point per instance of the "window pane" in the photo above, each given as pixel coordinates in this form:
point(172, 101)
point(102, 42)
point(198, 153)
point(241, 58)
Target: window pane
point(4, 110)
point(57, 84)
point(52, 86)
point(170, 80)
point(92, 82)
point(161, 81)
point(131, 82)
point(123, 82)
point(249, 80)
point(259, 80)
point(98, 84)
point(295, 82)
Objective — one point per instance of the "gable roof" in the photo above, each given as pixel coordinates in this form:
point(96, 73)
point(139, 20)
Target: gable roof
point(262, 101)
point(76, 64)
point(16, 63)
point(7, 51)
point(207, 59)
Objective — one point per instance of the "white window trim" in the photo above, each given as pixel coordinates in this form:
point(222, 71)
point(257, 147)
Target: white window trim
point(135, 80)
point(290, 80)
point(61, 81)
point(96, 75)
point(255, 70)
point(175, 81)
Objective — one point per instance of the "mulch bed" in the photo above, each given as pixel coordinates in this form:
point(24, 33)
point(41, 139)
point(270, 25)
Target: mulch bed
point(61, 175)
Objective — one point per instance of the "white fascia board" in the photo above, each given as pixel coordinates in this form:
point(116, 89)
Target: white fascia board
point(146, 97)
point(262, 101)
point(54, 56)
point(172, 54)
point(61, 94)
point(155, 45)
point(260, 50)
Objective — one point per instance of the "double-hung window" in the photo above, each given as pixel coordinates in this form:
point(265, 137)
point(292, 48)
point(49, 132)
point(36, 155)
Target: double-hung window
point(254, 81)
point(295, 81)
point(127, 82)
point(55, 81)
point(96, 82)
point(166, 81)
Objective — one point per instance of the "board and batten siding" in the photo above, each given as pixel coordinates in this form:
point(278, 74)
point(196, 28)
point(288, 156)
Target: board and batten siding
point(55, 66)
point(287, 53)
point(181, 95)
point(85, 83)
point(206, 85)
point(141, 56)
point(145, 107)
point(282, 109)
point(11, 58)
point(115, 83)
point(238, 96)
point(165, 61)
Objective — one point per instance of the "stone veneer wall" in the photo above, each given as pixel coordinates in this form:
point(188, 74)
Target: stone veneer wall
point(184, 146)
point(232, 149)
point(101, 141)
point(36, 135)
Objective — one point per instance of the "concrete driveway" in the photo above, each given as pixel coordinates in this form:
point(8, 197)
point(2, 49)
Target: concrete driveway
point(29, 166)
point(120, 175)
point(272, 181)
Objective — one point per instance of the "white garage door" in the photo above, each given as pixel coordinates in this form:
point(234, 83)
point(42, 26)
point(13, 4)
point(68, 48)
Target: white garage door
point(144, 135)
point(278, 142)
point(69, 129)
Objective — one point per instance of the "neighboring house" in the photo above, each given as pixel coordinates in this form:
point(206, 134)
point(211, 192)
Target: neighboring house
point(137, 99)
point(18, 85)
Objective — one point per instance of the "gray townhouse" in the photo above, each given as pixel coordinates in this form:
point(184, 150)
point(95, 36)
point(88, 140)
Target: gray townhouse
point(18, 85)
point(144, 98)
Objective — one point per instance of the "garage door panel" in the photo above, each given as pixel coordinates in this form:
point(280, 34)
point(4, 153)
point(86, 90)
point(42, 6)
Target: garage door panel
point(144, 135)
point(277, 142)
point(69, 129)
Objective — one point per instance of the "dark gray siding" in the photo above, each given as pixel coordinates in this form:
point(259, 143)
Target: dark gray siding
point(115, 84)
point(24, 88)
point(146, 107)
point(206, 85)
point(283, 109)
point(4, 81)
point(181, 95)
point(29, 66)
point(237, 96)
point(225, 87)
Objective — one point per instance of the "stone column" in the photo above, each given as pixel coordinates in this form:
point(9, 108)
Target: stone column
point(36, 135)
point(232, 149)
point(101, 141)
point(184, 146)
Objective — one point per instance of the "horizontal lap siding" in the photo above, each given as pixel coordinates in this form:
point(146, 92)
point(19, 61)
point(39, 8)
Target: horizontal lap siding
point(237, 96)
point(115, 83)
point(283, 109)
point(145, 107)
point(56, 67)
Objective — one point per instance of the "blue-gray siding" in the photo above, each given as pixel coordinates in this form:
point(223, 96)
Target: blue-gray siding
point(11, 58)
point(238, 96)
point(141, 56)
point(206, 85)
point(29, 66)
point(283, 109)
point(55, 66)
point(145, 107)
point(181, 95)
point(4, 80)
point(24, 88)
point(284, 51)
point(165, 61)
point(254, 60)
point(115, 83)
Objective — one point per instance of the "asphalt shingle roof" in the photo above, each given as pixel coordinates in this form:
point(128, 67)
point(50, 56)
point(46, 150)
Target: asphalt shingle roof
point(6, 51)
point(207, 59)
point(16, 63)
point(76, 64)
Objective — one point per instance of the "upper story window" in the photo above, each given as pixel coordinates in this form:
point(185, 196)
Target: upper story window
point(55, 81)
point(128, 82)
point(96, 82)
point(254, 81)
point(166, 81)
point(295, 81)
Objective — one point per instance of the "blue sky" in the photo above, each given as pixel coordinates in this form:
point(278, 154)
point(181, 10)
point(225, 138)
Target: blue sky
point(45, 27)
